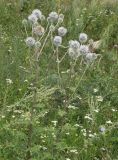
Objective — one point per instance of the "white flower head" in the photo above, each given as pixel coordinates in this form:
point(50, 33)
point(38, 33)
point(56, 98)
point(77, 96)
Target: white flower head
point(37, 13)
point(74, 44)
point(30, 41)
point(32, 18)
point(57, 41)
point(38, 30)
point(90, 57)
point(74, 54)
point(83, 37)
point(9, 81)
point(62, 31)
point(53, 16)
point(84, 49)
point(102, 129)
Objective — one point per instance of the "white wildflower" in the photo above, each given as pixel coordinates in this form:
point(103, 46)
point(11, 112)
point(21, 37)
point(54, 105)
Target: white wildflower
point(74, 151)
point(74, 44)
point(74, 54)
point(90, 57)
point(83, 37)
point(53, 16)
point(99, 98)
point(32, 18)
point(109, 122)
point(71, 107)
point(62, 31)
point(57, 41)
point(95, 90)
point(37, 13)
point(9, 81)
point(84, 49)
point(30, 41)
point(102, 129)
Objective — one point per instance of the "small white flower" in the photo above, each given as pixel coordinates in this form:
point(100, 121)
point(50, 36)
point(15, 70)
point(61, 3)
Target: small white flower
point(84, 49)
point(32, 18)
point(95, 90)
point(9, 81)
point(62, 31)
point(74, 54)
point(83, 37)
point(87, 117)
point(53, 16)
point(74, 151)
point(37, 13)
point(102, 129)
point(71, 107)
point(109, 122)
point(57, 41)
point(99, 98)
point(54, 123)
point(74, 44)
point(90, 57)
point(30, 41)
point(91, 135)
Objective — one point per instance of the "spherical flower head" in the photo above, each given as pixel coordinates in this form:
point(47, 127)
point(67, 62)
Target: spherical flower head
point(32, 18)
point(102, 129)
point(90, 57)
point(38, 30)
point(83, 37)
point(62, 31)
point(57, 41)
point(30, 41)
point(37, 13)
point(53, 16)
point(84, 49)
point(37, 45)
point(74, 54)
point(74, 44)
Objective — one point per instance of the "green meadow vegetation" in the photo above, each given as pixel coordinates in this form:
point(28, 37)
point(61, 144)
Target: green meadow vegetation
point(58, 80)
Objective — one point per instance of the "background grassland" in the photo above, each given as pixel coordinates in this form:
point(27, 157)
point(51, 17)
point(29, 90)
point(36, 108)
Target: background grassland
point(99, 19)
